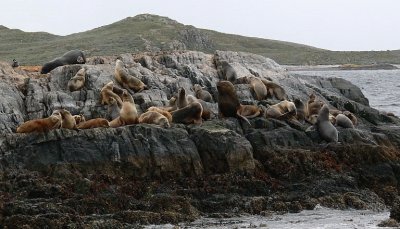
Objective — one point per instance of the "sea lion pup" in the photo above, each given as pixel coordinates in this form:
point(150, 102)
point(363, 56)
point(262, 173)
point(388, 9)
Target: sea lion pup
point(189, 114)
point(281, 110)
point(343, 121)
point(79, 118)
point(325, 128)
point(250, 111)
point(228, 102)
point(78, 81)
point(202, 94)
point(351, 116)
point(128, 113)
point(71, 57)
point(113, 109)
point(167, 114)
point(107, 93)
point(300, 109)
point(41, 125)
point(94, 123)
point(259, 88)
point(181, 101)
point(274, 90)
point(68, 121)
point(153, 117)
point(227, 72)
point(127, 81)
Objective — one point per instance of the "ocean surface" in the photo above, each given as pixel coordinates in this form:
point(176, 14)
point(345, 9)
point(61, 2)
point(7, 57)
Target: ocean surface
point(320, 217)
point(381, 87)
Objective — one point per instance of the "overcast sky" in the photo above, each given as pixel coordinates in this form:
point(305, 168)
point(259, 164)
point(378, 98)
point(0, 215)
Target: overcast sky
point(328, 24)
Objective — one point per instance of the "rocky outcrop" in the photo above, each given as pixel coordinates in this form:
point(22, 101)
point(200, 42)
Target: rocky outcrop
point(139, 174)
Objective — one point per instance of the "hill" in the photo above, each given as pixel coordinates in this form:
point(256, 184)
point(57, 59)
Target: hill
point(151, 33)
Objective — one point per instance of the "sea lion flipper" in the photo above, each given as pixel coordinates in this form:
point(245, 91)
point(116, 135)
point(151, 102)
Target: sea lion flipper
point(242, 117)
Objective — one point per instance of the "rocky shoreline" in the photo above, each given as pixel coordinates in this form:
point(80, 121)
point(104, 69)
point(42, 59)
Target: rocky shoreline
point(143, 174)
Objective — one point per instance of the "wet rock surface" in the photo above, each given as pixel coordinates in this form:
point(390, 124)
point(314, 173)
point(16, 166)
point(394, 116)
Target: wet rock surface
point(144, 174)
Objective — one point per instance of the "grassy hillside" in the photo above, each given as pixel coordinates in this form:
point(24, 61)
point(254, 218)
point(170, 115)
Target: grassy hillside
point(151, 32)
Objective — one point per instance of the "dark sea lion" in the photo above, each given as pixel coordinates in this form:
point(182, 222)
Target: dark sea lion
point(71, 57)
point(228, 102)
point(191, 114)
point(325, 128)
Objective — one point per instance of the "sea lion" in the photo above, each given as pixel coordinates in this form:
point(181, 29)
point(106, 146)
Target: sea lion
point(227, 72)
point(189, 114)
point(259, 88)
point(153, 117)
point(41, 125)
point(228, 102)
point(300, 108)
point(78, 81)
point(79, 118)
point(325, 128)
point(68, 121)
point(107, 93)
point(206, 114)
point(275, 90)
point(351, 116)
point(94, 123)
point(70, 57)
point(343, 121)
point(202, 94)
point(181, 101)
point(281, 110)
point(313, 105)
point(113, 109)
point(250, 111)
point(167, 114)
point(128, 113)
point(126, 80)
point(117, 122)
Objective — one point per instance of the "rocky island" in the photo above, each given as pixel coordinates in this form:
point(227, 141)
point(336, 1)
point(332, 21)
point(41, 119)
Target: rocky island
point(141, 174)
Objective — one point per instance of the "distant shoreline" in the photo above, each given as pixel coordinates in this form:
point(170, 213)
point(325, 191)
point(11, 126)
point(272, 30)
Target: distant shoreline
point(345, 67)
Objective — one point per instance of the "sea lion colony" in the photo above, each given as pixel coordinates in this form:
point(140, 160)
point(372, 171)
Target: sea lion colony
point(186, 108)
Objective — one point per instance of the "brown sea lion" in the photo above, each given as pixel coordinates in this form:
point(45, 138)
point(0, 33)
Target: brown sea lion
point(78, 81)
point(250, 111)
point(41, 125)
point(94, 123)
point(281, 110)
point(107, 93)
point(153, 117)
point(343, 121)
point(258, 87)
point(274, 90)
point(313, 105)
point(117, 122)
point(68, 121)
point(167, 114)
point(206, 114)
point(126, 80)
point(202, 94)
point(181, 101)
point(228, 102)
point(351, 116)
point(191, 114)
point(79, 118)
point(325, 128)
point(128, 113)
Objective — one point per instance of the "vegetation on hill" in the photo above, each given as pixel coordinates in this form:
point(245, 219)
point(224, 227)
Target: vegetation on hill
point(151, 33)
